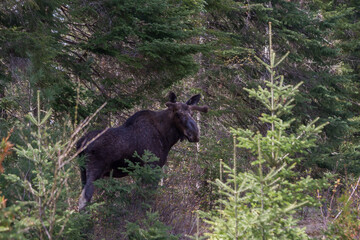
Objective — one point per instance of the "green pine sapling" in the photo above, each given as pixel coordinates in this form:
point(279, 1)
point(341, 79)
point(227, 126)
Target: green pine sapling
point(261, 204)
point(47, 187)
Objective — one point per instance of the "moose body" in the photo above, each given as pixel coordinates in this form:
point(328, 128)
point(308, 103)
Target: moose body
point(145, 130)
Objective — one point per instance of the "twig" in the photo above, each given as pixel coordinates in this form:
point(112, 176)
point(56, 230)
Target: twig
point(352, 193)
point(83, 148)
point(72, 142)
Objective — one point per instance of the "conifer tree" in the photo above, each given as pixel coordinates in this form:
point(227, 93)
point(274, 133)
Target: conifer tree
point(260, 204)
point(237, 30)
point(342, 17)
point(121, 52)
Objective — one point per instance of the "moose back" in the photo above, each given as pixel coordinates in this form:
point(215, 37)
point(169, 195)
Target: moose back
point(145, 130)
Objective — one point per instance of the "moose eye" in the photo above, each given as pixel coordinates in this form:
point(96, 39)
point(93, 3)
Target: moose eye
point(181, 117)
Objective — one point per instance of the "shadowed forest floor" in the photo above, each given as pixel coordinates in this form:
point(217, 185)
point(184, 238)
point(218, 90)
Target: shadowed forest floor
point(313, 222)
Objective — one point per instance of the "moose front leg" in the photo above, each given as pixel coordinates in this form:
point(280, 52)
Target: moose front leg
point(92, 175)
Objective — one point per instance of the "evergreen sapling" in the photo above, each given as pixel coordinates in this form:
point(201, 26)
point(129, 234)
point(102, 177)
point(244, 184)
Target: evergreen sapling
point(261, 204)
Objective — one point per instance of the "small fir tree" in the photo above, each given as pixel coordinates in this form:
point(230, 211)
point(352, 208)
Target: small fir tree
point(260, 204)
point(48, 204)
point(150, 228)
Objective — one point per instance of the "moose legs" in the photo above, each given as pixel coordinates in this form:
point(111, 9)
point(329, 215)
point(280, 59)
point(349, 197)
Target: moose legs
point(92, 174)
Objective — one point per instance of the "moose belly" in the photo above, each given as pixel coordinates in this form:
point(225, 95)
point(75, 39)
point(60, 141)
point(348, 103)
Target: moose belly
point(116, 173)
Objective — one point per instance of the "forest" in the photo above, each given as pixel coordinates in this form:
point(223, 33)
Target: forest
point(276, 106)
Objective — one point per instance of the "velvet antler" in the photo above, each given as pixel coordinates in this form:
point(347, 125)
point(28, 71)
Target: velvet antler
point(203, 109)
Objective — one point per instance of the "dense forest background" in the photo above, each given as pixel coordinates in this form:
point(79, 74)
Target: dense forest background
point(61, 60)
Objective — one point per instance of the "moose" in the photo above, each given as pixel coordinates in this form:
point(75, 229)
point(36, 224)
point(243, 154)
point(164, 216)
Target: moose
point(155, 131)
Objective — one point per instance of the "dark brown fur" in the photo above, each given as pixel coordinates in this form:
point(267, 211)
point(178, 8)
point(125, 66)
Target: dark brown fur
point(145, 130)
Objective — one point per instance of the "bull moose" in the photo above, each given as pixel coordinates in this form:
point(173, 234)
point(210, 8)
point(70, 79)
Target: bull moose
point(145, 130)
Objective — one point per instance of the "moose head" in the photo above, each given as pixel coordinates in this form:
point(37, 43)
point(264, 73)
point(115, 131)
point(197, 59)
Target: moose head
point(183, 116)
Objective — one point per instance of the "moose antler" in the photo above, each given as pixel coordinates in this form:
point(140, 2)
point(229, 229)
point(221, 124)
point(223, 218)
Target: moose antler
point(172, 105)
point(203, 109)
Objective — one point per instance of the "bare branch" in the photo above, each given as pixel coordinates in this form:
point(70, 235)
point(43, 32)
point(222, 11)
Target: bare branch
point(352, 193)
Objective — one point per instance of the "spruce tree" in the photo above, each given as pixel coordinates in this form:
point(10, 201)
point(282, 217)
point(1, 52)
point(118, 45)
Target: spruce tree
point(342, 17)
point(261, 204)
point(122, 52)
point(237, 29)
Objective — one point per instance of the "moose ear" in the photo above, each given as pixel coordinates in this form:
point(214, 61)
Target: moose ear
point(172, 97)
point(194, 100)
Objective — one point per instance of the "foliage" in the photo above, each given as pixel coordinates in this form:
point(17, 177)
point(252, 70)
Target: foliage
point(12, 221)
point(131, 53)
point(115, 51)
point(214, 149)
point(5, 149)
point(47, 205)
point(345, 224)
point(255, 208)
point(260, 204)
point(140, 190)
point(329, 91)
point(150, 228)
point(125, 198)
point(146, 174)
point(342, 133)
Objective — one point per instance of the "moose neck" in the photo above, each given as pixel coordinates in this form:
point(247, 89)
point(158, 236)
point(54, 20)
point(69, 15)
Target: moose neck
point(167, 128)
